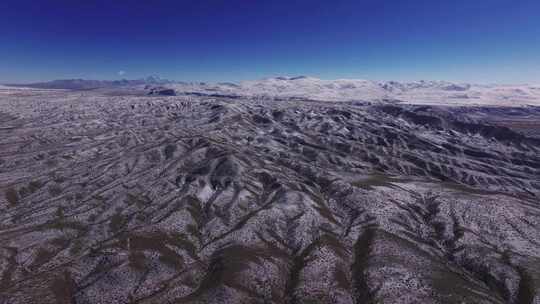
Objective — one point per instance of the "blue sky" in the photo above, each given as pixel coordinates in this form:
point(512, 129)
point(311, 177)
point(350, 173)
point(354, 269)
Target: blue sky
point(485, 41)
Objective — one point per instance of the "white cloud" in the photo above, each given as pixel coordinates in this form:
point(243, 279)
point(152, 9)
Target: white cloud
point(121, 73)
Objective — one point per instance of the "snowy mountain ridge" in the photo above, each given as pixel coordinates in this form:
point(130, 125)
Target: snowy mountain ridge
point(305, 87)
point(418, 92)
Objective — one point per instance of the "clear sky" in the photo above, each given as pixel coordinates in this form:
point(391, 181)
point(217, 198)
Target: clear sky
point(485, 41)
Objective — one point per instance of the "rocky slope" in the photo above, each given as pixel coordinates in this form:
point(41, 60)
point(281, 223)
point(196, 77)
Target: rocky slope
point(194, 199)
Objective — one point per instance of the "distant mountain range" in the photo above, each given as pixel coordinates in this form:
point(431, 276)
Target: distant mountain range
point(304, 87)
point(418, 92)
point(83, 84)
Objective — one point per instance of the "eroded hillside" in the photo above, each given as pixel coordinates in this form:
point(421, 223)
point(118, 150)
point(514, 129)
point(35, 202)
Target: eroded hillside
point(217, 200)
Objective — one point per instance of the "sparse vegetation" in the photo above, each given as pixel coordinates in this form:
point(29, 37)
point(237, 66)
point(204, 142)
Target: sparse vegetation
point(137, 260)
point(117, 221)
point(76, 247)
point(376, 180)
point(51, 162)
point(55, 190)
point(60, 213)
point(63, 224)
point(64, 288)
point(168, 151)
point(92, 217)
point(12, 196)
point(41, 256)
